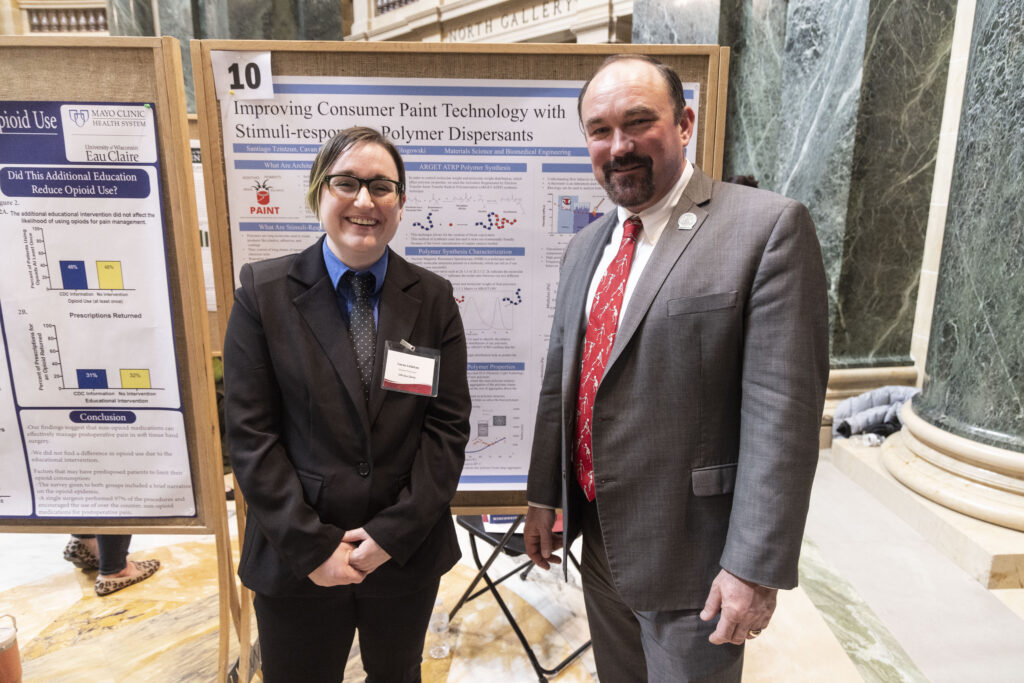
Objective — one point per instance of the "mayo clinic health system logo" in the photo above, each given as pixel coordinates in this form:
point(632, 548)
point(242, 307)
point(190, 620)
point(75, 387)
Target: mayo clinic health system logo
point(79, 117)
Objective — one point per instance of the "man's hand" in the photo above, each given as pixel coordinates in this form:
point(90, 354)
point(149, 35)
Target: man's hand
point(540, 542)
point(336, 569)
point(368, 555)
point(745, 607)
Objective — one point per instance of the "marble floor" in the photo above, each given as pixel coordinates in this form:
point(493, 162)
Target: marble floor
point(876, 603)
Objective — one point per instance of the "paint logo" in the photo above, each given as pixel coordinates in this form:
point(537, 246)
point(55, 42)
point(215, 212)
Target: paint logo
point(263, 207)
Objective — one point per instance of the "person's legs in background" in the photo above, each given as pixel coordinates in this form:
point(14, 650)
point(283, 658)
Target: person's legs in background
point(109, 554)
point(113, 553)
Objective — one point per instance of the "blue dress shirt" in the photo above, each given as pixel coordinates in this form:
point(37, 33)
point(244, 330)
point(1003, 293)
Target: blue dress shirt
point(336, 269)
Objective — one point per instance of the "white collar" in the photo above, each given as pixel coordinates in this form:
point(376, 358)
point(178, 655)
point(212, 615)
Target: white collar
point(656, 216)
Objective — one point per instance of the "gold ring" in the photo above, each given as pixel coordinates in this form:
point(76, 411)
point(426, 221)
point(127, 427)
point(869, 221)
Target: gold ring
point(754, 632)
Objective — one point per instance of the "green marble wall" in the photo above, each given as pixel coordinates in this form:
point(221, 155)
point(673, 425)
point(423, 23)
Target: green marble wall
point(130, 18)
point(237, 19)
point(820, 96)
point(176, 20)
point(905, 65)
point(285, 19)
point(676, 22)
point(756, 33)
point(974, 380)
point(838, 104)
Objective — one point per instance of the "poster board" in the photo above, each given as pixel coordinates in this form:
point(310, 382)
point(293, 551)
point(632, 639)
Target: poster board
point(318, 85)
point(105, 289)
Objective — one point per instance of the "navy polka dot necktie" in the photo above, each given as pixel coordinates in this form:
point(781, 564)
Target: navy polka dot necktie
point(361, 329)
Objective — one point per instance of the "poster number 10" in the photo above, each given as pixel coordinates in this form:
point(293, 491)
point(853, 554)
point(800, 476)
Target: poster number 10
point(252, 75)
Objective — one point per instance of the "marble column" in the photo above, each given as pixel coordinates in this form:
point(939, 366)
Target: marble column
point(862, 88)
point(965, 444)
point(210, 18)
point(130, 18)
point(175, 19)
point(756, 32)
point(836, 103)
point(285, 19)
point(906, 61)
point(676, 22)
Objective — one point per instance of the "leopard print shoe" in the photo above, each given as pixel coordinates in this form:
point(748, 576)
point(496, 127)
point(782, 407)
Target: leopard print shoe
point(108, 585)
point(78, 554)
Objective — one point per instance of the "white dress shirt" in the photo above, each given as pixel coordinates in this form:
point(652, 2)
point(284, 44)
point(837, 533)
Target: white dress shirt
point(654, 219)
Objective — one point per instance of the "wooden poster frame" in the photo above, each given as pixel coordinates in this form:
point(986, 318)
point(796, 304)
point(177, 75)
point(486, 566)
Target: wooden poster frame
point(100, 69)
point(707, 64)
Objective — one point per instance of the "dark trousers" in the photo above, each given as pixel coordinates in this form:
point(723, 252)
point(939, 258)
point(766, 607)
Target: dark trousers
point(667, 646)
point(113, 551)
point(308, 639)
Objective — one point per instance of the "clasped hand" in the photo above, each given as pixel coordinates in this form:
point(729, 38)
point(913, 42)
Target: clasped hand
point(355, 557)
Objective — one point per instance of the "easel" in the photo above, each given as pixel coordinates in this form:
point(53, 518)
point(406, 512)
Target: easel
point(474, 526)
point(706, 65)
point(146, 70)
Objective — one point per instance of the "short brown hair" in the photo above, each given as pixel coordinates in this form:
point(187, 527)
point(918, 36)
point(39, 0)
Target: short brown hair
point(672, 82)
point(342, 141)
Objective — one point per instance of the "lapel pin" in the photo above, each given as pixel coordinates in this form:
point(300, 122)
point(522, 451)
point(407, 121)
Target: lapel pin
point(687, 221)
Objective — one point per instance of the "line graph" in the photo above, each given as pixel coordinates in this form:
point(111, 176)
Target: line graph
point(472, 449)
point(483, 310)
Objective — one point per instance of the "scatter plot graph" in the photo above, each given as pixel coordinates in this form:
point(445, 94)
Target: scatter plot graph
point(574, 215)
point(495, 221)
point(517, 300)
point(428, 225)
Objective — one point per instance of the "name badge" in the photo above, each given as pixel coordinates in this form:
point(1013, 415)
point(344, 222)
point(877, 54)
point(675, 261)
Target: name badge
point(410, 369)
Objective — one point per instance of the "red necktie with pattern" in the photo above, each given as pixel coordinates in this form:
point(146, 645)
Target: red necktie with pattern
point(601, 327)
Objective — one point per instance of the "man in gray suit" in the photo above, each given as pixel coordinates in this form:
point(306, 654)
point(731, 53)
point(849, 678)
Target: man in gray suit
point(679, 413)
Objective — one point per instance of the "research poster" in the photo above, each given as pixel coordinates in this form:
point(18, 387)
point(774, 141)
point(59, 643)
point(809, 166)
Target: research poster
point(91, 422)
point(499, 180)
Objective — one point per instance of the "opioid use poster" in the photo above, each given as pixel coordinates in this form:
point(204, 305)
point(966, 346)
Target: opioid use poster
point(91, 422)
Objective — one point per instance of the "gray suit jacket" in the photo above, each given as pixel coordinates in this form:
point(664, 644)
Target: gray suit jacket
point(706, 422)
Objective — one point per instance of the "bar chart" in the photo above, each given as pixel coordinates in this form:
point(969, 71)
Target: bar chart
point(74, 273)
point(86, 378)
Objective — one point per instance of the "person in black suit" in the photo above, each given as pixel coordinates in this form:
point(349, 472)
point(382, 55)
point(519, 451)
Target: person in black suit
point(348, 484)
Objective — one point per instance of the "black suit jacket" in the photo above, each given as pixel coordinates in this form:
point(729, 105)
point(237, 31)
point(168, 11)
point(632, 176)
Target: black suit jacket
point(311, 457)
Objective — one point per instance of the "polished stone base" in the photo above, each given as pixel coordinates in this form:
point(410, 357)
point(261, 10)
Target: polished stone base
point(976, 479)
point(871, 594)
point(992, 555)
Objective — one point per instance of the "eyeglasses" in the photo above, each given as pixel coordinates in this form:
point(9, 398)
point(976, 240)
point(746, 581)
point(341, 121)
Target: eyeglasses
point(348, 186)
